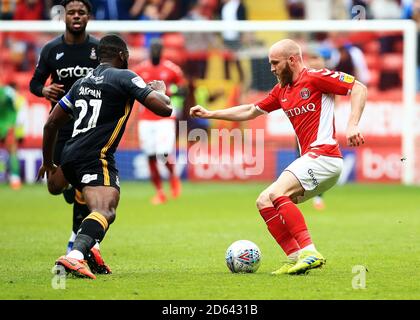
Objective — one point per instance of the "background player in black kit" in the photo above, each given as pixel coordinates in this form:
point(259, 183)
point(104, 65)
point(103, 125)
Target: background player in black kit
point(66, 59)
point(100, 103)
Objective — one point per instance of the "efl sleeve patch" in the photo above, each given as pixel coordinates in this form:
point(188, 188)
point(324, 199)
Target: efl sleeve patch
point(138, 81)
point(344, 77)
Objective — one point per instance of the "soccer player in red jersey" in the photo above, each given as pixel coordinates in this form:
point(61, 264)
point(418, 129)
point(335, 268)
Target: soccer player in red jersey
point(157, 134)
point(307, 98)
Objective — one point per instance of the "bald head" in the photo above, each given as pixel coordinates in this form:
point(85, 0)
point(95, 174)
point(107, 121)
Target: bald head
point(285, 48)
point(286, 61)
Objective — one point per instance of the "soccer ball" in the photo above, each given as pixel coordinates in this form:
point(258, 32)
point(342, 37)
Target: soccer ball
point(243, 256)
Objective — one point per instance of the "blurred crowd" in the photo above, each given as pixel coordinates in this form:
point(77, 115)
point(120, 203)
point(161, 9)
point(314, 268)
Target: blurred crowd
point(375, 58)
point(212, 9)
point(111, 9)
point(354, 53)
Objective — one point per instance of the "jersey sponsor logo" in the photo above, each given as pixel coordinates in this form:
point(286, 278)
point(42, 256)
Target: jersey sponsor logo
point(84, 91)
point(97, 80)
point(305, 93)
point(93, 54)
point(139, 82)
point(310, 107)
point(344, 77)
point(76, 71)
point(58, 56)
point(89, 177)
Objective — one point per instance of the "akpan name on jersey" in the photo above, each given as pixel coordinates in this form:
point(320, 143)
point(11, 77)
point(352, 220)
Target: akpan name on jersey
point(85, 91)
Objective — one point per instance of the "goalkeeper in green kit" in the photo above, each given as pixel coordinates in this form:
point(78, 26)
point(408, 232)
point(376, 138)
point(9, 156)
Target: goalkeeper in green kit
point(10, 133)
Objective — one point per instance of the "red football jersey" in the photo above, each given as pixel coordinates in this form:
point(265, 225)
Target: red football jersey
point(167, 71)
point(309, 105)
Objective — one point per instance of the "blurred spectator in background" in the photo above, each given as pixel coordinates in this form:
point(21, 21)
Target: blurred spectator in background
point(407, 7)
point(233, 10)
point(113, 9)
point(317, 56)
point(154, 10)
point(349, 59)
point(150, 12)
point(29, 10)
point(296, 9)
point(318, 9)
point(210, 9)
point(163, 9)
point(385, 9)
point(340, 9)
point(197, 44)
point(7, 9)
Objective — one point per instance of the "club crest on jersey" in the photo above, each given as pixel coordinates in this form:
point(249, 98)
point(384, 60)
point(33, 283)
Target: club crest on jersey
point(305, 93)
point(93, 54)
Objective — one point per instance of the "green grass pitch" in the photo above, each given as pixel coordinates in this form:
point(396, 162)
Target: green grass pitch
point(176, 250)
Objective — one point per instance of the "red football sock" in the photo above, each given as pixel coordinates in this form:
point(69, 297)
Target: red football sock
point(293, 220)
point(154, 173)
point(171, 168)
point(279, 231)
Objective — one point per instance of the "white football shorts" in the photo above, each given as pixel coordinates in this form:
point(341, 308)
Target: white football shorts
point(157, 137)
point(316, 175)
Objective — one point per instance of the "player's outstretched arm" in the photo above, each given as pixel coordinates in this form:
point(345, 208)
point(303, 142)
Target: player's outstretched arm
point(239, 113)
point(358, 100)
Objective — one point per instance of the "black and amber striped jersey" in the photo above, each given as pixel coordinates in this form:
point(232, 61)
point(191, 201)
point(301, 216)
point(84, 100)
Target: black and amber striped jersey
point(65, 64)
point(100, 104)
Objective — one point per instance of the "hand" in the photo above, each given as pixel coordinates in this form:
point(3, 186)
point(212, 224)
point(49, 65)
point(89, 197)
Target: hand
point(354, 137)
point(48, 169)
point(158, 85)
point(53, 92)
point(199, 112)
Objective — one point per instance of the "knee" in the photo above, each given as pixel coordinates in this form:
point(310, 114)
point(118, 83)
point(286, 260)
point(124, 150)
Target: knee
point(273, 195)
point(109, 215)
point(263, 201)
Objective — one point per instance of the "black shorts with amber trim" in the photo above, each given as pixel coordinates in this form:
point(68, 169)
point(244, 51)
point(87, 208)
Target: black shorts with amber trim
point(95, 172)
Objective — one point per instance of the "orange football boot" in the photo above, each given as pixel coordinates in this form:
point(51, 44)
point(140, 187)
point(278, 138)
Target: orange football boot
point(96, 263)
point(79, 268)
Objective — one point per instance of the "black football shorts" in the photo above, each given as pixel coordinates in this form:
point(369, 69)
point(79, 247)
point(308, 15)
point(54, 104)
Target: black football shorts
point(95, 172)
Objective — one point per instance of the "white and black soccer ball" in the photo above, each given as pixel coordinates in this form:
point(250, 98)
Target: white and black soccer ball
point(243, 256)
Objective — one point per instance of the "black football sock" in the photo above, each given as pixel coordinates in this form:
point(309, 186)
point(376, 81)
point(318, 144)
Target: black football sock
point(91, 230)
point(80, 212)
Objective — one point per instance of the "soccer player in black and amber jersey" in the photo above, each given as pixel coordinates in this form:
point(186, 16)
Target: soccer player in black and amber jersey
point(66, 59)
point(100, 104)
